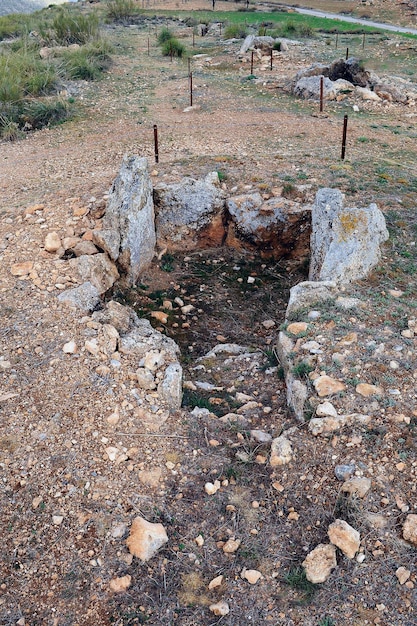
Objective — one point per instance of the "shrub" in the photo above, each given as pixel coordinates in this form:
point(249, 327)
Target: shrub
point(235, 31)
point(121, 10)
point(69, 26)
point(173, 48)
point(14, 25)
point(24, 74)
point(39, 113)
point(164, 36)
point(86, 63)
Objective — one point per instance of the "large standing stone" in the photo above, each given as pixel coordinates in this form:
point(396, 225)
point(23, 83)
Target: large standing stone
point(276, 228)
point(319, 563)
point(128, 234)
point(345, 243)
point(190, 214)
point(145, 538)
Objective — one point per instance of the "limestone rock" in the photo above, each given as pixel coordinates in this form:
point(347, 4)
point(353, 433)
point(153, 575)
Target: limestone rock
point(296, 328)
point(342, 535)
point(281, 451)
point(220, 608)
point(326, 409)
point(252, 575)
point(410, 528)
point(145, 538)
point(330, 424)
point(345, 242)
point(52, 242)
point(357, 486)
point(189, 214)
point(231, 545)
point(119, 316)
point(216, 582)
point(319, 563)
point(98, 270)
point(84, 247)
point(170, 389)
point(365, 389)
point(21, 269)
point(85, 297)
point(118, 585)
point(276, 228)
point(128, 233)
point(326, 385)
point(307, 293)
point(402, 574)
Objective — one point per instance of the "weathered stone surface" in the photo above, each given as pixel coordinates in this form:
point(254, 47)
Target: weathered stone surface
point(145, 538)
point(326, 409)
point(85, 297)
point(99, 270)
point(220, 608)
point(296, 390)
point(365, 389)
point(410, 528)
point(52, 242)
point(120, 584)
point(281, 451)
point(119, 316)
point(170, 389)
point(189, 214)
point(128, 234)
point(402, 574)
point(326, 385)
point(319, 563)
point(295, 328)
point(84, 247)
point(346, 538)
point(21, 269)
point(276, 228)
point(251, 41)
point(331, 423)
point(357, 486)
point(345, 243)
point(351, 70)
point(309, 88)
point(308, 293)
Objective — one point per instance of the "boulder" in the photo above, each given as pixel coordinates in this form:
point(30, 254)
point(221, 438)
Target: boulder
point(145, 538)
point(345, 242)
point(319, 563)
point(277, 227)
point(308, 293)
point(367, 94)
point(85, 297)
point(309, 88)
point(97, 269)
point(190, 214)
point(351, 70)
point(128, 233)
point(342, 535)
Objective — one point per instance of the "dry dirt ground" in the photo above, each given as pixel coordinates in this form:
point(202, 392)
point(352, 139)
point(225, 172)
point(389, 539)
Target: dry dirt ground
point(66, 508)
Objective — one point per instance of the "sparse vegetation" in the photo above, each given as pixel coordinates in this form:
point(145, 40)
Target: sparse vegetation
point(121, 10)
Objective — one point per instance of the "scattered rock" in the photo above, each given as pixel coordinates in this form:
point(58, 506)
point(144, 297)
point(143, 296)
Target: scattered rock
point(85, 297)
point(145, 539)
point(220, 608)
point(21, 269)
point(364, 389)
point(216, 582)
point(344, 472)
point(319, 563)
point(357, 486)
point(297, 327)
point(281, 451)
point(410, 528)
point(252, 575)
point(231, 545)
point(118, 585)
point(327, 386)
point(403, 574)
point(342, 535)
point(52, 242)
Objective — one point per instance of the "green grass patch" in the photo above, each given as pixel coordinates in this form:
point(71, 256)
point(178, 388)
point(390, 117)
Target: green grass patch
point(87, 62)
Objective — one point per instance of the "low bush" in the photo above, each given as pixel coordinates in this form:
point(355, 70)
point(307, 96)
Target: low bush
point(24, 74)
point(70, 26)
point(14, 25)
point(173, 48)
point(164, 36)
point(121, 10)
point(86, 63)
point(235, 31)
point(38, 113)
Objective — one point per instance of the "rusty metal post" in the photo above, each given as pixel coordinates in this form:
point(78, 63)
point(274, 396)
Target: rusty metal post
point(220, 24)
point(271, 58)
point(191, 89)
point(251, 64)
point(347, 53)
point(193, 38)
point(363, 41)
point(149, 50)
point(345, 121)
point(321, 93)
point(155, 141)
point(337, 38)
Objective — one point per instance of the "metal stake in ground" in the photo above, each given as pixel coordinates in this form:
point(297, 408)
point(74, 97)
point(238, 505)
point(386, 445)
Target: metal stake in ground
point(193, 38)
point(337, 38)
point(321, 93)
point(363, 41)
point(155, 141)
point(347, 53)
point(191, 89)
point(251, 64)
point(271, 57)
point(345, 121)
point(148, 47)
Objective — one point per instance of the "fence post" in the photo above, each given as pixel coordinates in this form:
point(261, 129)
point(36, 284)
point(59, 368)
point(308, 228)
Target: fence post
point(345, 121)
point(155, 141)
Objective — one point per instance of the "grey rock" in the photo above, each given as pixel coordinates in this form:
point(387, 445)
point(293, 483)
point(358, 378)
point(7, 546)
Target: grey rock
point(170, 389)
point(85, 297)
point(119, 316)
point(344, 472)
point(128, 234)
point(97, 269)
point(308, 88)
point(308, 293)
point(189, 213)
point(345, 242)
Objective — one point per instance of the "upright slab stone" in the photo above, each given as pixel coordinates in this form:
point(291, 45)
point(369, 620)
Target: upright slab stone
point(345, 242)
point(128, 234)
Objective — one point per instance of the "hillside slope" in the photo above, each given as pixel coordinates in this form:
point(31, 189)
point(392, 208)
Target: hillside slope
point(25, 6)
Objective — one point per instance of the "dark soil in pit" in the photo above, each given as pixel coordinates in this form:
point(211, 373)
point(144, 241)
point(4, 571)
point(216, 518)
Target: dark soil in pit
point(211, 297)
